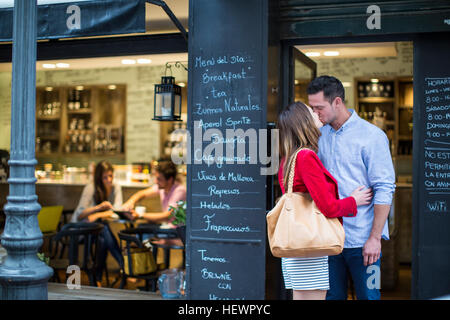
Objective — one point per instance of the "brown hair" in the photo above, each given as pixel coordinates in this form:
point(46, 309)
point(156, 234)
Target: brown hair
point(330, 86)
point(100, 190)
point(167, 168)
point(297, 130)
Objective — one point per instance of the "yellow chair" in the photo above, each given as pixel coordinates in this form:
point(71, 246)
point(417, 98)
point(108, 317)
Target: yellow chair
point(49, 218)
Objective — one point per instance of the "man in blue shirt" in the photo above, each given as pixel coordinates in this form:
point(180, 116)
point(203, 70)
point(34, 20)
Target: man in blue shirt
point(356, 153)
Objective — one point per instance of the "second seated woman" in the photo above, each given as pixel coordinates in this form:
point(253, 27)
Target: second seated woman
point(308, 277)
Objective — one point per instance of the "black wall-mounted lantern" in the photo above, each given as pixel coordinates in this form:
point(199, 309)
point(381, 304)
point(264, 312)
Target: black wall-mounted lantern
point(168, 97)
point(167, 100)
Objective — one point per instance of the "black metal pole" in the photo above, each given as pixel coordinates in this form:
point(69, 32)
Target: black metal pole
point(172, 17)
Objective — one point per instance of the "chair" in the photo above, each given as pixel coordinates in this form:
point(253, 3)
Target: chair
point(166, 248)
point(133, 238)
point(159, 234)
point(71, 236)
point(49, 218)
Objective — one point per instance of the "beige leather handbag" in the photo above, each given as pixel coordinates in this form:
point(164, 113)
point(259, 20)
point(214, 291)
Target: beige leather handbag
point(297, 228)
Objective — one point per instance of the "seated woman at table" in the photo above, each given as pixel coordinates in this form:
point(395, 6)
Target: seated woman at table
point(167, 187)
point(97, 201)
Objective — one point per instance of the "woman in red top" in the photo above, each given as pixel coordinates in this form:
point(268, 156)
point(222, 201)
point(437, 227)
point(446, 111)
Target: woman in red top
point(308, 277)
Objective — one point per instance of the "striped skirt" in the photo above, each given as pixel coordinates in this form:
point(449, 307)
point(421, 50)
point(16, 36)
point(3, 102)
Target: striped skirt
point(306, 273)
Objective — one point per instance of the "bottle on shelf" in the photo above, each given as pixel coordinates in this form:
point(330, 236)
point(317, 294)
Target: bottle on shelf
point(77, 101)
point(378, 118)
point(71, 100)
point(84, 100)
point(38, 144)
point(67, 144)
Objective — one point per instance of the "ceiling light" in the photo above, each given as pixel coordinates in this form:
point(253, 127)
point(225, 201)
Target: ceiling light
point(143, 61)
point(374, 80)
point(312, 54)
point(347, 84)
point(331, 53)
point(48, 66)
point(128, 61)
point(62, 65)
point(49, 89)
point(112, 87)
point(79, 88)
point(181, 84)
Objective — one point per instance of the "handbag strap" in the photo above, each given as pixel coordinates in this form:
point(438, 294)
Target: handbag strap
point(292, 171)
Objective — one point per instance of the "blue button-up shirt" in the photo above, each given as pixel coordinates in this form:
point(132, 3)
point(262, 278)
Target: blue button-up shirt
point(357, 154)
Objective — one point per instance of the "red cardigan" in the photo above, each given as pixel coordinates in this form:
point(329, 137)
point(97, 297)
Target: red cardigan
point(312, 177)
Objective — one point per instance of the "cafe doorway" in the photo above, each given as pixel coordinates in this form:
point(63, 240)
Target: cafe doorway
point(378, 82)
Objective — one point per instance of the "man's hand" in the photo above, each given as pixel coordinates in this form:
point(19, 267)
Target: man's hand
point(99, 215)
point(128, 206)
point(371, 251)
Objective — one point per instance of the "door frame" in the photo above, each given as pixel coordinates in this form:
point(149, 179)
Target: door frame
point(294, 56)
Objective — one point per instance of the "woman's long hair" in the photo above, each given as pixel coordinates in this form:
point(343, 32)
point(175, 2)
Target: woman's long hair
point(100, 190)
point(297, 130)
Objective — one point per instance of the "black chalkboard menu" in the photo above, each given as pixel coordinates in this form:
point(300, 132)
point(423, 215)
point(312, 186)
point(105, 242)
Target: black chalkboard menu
point(436, 174)
point(431, 167)
point(226, 231)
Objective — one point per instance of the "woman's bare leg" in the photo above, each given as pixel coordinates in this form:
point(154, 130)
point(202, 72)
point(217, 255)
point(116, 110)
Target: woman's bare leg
point(309, 294)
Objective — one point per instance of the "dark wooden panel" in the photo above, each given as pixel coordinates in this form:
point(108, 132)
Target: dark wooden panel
point(331, 18)
point(103, 47)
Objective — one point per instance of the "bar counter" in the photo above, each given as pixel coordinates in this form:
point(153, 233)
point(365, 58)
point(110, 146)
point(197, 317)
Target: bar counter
point(54, 192)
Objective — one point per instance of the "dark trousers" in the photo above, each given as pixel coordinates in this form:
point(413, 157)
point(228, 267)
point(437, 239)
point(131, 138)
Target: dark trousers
point(107, 242)
point(366, 279)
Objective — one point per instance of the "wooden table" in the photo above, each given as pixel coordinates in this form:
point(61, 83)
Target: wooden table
point(59, 291)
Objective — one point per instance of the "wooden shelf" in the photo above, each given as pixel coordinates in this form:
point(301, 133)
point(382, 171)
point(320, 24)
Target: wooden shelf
point(96, 98)
point(48, 118)
point(398, 109)
point(80, 111)
point(49, 138)
point(77, 153)
point(78, 131)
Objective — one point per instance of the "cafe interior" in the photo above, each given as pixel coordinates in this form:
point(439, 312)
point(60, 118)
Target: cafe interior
point(128, 110)
point(93, 109)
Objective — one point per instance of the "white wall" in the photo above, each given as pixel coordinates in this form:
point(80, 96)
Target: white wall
point(346, 69)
